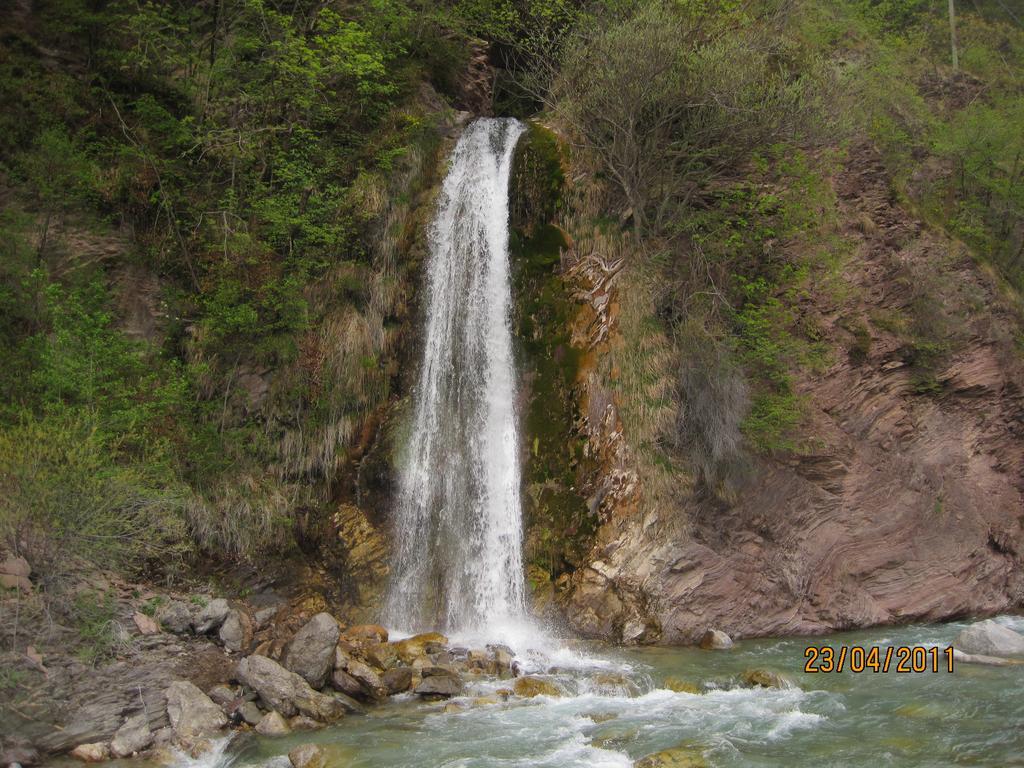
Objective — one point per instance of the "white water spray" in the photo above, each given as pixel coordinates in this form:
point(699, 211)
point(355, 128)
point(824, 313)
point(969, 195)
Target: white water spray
point(458, 527)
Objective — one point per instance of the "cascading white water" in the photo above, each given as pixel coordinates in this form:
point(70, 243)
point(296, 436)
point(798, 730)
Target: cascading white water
point(458, 528)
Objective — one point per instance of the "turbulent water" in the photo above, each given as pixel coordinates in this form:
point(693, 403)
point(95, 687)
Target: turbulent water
point(458, 562)
point(622, 711)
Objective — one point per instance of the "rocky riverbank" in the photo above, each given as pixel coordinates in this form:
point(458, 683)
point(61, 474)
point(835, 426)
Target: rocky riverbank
point(194, 667)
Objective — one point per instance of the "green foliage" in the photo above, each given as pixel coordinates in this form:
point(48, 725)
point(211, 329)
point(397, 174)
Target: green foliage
point(95, 617)
point(67, 501)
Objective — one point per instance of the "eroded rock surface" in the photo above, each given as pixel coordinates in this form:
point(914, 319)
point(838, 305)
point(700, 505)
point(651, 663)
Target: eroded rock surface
point(904, 507)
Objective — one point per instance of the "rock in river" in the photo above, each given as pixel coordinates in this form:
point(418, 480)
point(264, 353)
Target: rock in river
point(987, 638)
point(287, 692)
point(528, 687)
point(308, 756)
point(715, 640)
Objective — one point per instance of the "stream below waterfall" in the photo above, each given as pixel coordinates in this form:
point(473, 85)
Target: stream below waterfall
point(971, 717)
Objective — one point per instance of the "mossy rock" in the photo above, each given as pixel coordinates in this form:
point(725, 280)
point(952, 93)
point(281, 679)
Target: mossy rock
point(528, 687)
point(766, 678)
point(683, 756)
point(679, 685)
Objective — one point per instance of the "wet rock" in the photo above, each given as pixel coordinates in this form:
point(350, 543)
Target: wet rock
point(192, 713)
point(679, 685)
point(614, 682)
point(677, 757)
point(366, 633)
point(287, 692)
point(211, 616)
point(96, 752)
point(503, 658)
point(419, 645)
point(175, 617)
point(451, 708)
point(397, 680)
point(236, 631)
point(134, 736)
point(988, 638)
point(529, 686)
point(486, 701)
point(303, 723)
point(272, 724)
point(959, 657)
point(715, 640)
point(308, 756)
point(441, 684)
point(311, 652)
point(145, 624)
point(766, 678)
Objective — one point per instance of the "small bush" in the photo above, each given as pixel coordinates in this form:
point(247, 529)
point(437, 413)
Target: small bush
point(64, 502)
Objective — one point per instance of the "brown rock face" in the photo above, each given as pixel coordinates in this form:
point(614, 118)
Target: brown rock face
point(906, 507)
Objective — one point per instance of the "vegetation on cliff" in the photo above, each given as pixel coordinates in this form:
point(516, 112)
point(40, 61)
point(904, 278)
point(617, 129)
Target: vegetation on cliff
point(212, 221)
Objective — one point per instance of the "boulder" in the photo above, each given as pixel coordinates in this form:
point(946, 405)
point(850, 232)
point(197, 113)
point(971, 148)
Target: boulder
point(96, 752)
point(503, 658)
point(211, 616)
point(677, 757)
point(311, 652)
point(175, 617)
point(249, 713)
point(381, 655)
point(287, 692)
point(145, 624)
point(766, 678)
point(344, 682)
point(366, 633)
point(263, 616)
point(397, 680)
point(134, 736)
point(440, 686)
point(528, 687)
point(715, 640)
point(224, 695)
point(439, 682)
point(303, 723)
point(368, 677)
point(192, 713)
point(987, 638)
point(272, 724)
point(419, 645)
point(308, 756)
point(679, 685)
point(236, 631)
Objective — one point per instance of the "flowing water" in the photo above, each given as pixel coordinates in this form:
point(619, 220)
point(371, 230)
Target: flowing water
point(973, 717)
point(458, 532)
point(458, 566)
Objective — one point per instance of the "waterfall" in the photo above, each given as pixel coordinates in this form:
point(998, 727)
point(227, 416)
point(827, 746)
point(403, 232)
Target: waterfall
point(457, 522)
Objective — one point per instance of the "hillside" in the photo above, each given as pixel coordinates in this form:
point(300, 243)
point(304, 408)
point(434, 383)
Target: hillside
point(767, 259)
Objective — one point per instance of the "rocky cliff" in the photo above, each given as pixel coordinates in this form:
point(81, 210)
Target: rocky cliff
point(905, 500)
